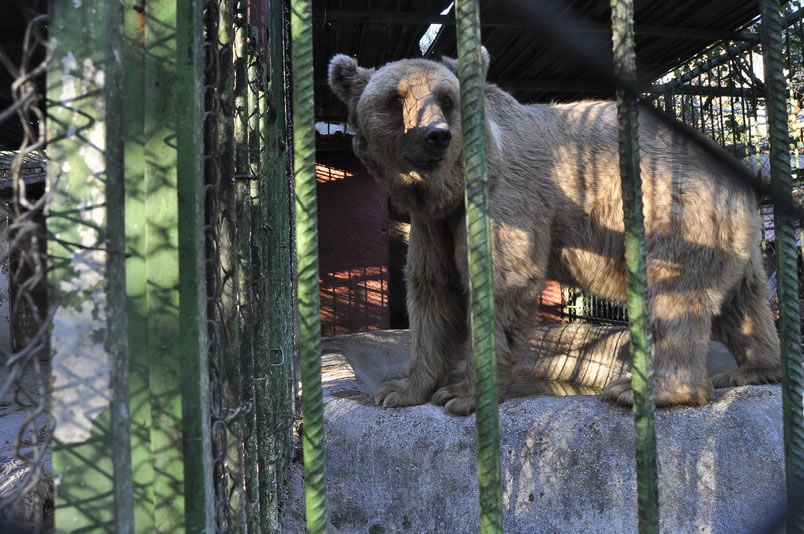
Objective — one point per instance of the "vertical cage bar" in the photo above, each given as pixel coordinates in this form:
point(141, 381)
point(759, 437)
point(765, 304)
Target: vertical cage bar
point(92, 454)
point(134, 132)
point(188, 112)
point(786, 257)
point(164, 106)
point(278, 280)
point(116, 274)
point(307, 265)
point(622, 21)
point(268, 314)
point(471, 73)
point(161, 269)
point(258, 304)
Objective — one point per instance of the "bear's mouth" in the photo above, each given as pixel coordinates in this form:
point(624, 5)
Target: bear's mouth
point(425, 164)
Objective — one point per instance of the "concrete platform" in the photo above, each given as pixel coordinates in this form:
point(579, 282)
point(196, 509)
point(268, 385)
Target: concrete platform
point(35, 507)
point(567, 462)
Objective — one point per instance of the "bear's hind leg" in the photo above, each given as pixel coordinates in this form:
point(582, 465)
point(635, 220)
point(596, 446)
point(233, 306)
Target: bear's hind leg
point(680, 328)
point(747, 329)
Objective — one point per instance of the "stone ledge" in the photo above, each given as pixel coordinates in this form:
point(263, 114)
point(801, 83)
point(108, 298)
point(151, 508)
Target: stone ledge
point(567, 462)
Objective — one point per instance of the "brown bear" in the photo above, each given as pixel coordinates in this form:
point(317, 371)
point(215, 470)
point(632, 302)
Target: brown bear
point(556, 212)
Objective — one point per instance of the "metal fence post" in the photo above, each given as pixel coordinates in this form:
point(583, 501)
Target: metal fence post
point(638, 308)
point(161, 270)
point(786, 257)
point(301, 32)
point(471, 73)
point(134, 135)
point(256, 303)
point(277, 363)
point(92, 454)
point(166, 270)
point(188, 113)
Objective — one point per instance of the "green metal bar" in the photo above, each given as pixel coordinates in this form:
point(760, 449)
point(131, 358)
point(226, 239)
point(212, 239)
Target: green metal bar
point(471, 73)
point(134, 131)
point(274, 369)
point(245, 269)
point(266, 418)
point(265, 415)
point(116, 275)
point(622, 21)
point(307, 266)
point(162, 102)
point(91, 452)
point(188, 112)
point(281, 284)
point(787, 269)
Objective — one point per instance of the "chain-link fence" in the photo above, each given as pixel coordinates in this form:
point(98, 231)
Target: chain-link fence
point(246, 264)
point(26, 422)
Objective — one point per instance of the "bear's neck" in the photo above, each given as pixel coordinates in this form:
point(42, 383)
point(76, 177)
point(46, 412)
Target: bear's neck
point(429, 196)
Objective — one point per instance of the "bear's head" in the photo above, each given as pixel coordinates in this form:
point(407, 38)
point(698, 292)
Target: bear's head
point(406, 119)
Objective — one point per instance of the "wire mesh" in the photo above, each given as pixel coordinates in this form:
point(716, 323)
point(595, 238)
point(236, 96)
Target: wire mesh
point(26, 486)
point(218, 270)
point(250, 376)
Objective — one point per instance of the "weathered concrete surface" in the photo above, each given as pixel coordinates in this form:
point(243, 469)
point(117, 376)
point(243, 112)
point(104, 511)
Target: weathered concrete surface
point(568, 463)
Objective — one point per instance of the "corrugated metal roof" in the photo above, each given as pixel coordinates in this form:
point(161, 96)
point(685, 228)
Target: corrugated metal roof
point(379, 31)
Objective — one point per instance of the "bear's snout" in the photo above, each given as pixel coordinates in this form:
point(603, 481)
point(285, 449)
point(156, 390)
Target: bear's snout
point(437, 138)
point(425, 148)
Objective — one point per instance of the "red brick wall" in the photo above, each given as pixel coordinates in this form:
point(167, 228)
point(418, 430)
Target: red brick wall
point(353, 246)
point(549, 309)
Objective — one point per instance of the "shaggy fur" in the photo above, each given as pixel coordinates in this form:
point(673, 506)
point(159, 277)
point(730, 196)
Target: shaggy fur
point(556, 212)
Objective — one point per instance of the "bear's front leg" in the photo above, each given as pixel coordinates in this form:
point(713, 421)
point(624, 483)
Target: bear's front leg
point(437, 310)
point(511, 319)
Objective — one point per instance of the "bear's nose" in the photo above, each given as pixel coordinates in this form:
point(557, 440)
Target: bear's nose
point(437, 137)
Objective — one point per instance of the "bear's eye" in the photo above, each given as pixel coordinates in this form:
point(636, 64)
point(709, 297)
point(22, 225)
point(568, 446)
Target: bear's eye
point(447, 104)
point(395, 101)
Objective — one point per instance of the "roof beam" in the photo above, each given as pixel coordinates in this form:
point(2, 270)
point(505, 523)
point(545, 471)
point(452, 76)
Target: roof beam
point(587, 87)
point(423, 19)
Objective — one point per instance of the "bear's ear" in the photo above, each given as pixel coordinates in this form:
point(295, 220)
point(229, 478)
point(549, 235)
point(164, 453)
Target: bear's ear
point(452, 63)
point(346, 78)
